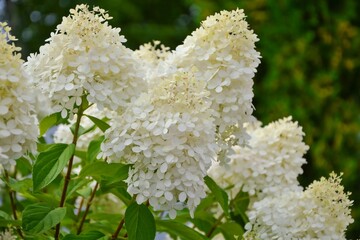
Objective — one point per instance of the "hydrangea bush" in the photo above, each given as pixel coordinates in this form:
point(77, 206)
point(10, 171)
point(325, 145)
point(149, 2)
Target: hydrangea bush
point(151, 143)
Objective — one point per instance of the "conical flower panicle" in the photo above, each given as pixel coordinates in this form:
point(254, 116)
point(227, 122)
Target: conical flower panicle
point(168, 134)
point(270, 163)
point(322, 211)
point(85, 56)
point(18, 122)
point(223, 51)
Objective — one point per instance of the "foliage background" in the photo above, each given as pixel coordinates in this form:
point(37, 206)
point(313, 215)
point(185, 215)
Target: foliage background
point(310, 67)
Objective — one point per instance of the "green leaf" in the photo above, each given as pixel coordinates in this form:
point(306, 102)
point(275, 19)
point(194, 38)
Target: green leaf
point(178, 229)
point(24, 166)
point(239, 206)
point(38, 218)
point(231, 230)
point(21, 186)
point(49, 121)
point(219, 193)
point(94, 149)
point(102, 170)
point(50, 163)
point(139, 222)
point(100, 123)
point(81, 154)
point(4, 215)
point(91, 235)
point(119, 189)
point(9, 222)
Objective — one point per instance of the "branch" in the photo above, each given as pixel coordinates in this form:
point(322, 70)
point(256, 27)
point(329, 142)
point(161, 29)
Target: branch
point(12, 202)
point(68, 174)
point(87, 208)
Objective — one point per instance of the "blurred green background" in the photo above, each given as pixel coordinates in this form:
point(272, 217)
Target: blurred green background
point(310, 63)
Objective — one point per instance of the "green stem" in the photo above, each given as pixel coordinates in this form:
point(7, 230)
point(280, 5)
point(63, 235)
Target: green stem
point(212, 229)
point(87, 208)
point(118, 229)
point(12, 202)
point(68, 174)
point(121, 224)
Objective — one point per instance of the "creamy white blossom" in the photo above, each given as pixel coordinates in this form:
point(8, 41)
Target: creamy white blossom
point(18, 122)
point(223, 51)
point(168, 135)
point(152, 56)
point(322, 211)
point(85, 56)
point(7, 235)
point(270, 163)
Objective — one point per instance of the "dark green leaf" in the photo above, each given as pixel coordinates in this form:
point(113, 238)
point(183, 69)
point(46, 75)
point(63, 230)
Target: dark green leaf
point(178, 229)
point(50, 163)
point(24, 166)
point(98, 122)
point(231, 230)
point(103, 170)
point(139, 222)
point(239, 206)
point(91, 235)
point(38, 218)
point(119, 189)
point(219, 193)
point(9, 222)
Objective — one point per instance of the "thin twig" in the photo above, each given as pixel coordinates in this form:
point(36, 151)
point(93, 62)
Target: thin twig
point(12, 202)
point(80, 207)
point(68, 174)
point(212, 229)
point(87, 208)
point(121, 224)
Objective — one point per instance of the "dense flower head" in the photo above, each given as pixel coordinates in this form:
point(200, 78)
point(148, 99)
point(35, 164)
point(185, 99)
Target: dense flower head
point(86, 56)
point(151, 55)
point(270, 163)
point(168, 135)
point(322, 211)
point(223, 50)
point(63, 132)
point(18, 122)
point(7, 235)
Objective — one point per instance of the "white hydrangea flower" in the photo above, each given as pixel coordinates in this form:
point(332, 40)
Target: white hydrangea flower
point(270, 163)
point(7, 235)
point(322, 211)
point(86, 56)
point(168, 135)
point(18, 122)
point(63, 133)
point(223, 51)
point(152, 56)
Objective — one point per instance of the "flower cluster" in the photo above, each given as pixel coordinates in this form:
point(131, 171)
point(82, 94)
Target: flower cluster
point(197, 100)
point(18, 122)
point(152, 56)
point(322, 211)
point(7, 235)
point(269, 164)
point(85, 56)
point(223, 50)
point(168, 135)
